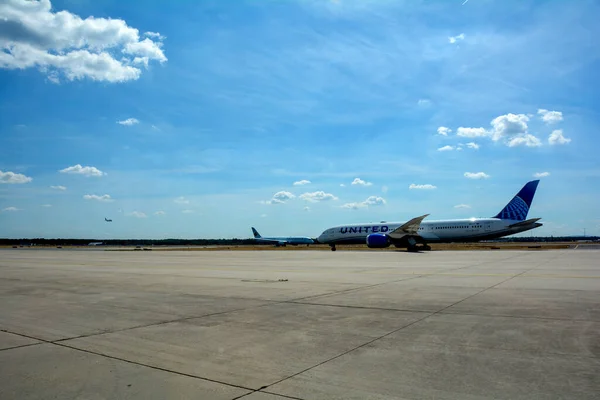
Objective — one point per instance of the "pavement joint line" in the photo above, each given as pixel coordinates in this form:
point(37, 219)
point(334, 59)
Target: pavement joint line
point(393, 331)
point(60, 344)
point(519, 316)
point(150, 366)
point(262, 391)
point(23, 345)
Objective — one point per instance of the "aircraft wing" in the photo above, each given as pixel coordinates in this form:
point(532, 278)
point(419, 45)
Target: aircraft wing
point(410, 228)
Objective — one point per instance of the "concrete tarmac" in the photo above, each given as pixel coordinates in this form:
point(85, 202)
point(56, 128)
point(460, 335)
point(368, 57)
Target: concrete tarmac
point(268, 325)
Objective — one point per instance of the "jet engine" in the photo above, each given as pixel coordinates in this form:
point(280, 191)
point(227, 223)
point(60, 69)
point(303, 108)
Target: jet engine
point(378, 241)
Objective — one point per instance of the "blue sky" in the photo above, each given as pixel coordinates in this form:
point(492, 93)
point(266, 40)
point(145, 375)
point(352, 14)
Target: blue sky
point(194, 119)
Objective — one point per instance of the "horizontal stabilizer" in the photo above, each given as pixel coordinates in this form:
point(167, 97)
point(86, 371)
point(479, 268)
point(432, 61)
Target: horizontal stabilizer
point(409, 228)
point(523, 223)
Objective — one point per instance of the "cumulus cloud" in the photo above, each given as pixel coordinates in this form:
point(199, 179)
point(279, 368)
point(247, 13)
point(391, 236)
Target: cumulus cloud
point(472, 145)
point(306, 208)
point(446, 148)
point(187, 211)
point(424, 103)
point(159, 213)
point(443, 130)
point(129, 121)
point(280, 198)
point(181, 200)
point(541, 174)
point(421, 187)
point(370, 201)
point(302, 182)
point(317, 196)
point(12, 178)
point(454, 39)
point(46, 205)
point(550, 117)
point(476, 175)
point(104, 198)
point(63, 44)
point(79, 170)
point(462, 206)
point(525, 140)
point(360, 182)
point(11, 209)
point(471, 132)
point(509, 125)
point(59, 187)
point(137, 214)
point(556, 137)
point(384, 189)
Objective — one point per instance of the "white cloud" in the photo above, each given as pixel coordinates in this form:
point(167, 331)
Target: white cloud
point(281, 197)
point(471, 132)
point(302, 182)
point(360, 182)
point(422, 187)
point(306, 208)
point(159, 213)
point(58, 187)
point(384, 189)
point(443, 130)
point(550, 117)
point(11, 209)
point(525, 140)
point(12, 178)
point(154, 35)
point(187, 211)
point(370, 201)
point(263, 215)
point(472, 145)
point(509, 126)
point(129, 121)
point(454, 39)
point(556, 137)
point(318, 196)
point(541, 174)
point(424, 103)
point(47, 205)
point(79, 170)
point(181, 200)
point(105, 197)
point(446, 148)
point(476, 175)
point(342, 185)
point(462, 206)
point(62, 43)
point(137, 214)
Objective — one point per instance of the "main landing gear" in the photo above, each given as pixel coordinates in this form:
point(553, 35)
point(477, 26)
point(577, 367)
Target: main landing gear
point(332, 247)
point(414, 249)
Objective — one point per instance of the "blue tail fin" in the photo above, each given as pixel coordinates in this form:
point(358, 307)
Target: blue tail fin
point(518, 207)
point(256, 234)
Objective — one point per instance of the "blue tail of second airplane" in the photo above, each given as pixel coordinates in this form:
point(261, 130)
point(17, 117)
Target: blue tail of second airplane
point(256, 234)
point(518, 207)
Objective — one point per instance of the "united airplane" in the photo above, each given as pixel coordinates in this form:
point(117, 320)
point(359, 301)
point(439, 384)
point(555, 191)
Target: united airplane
point(511, 220)
point(282, 241)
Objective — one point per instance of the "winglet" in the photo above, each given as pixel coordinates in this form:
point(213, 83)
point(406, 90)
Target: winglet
point(409, 228)
point(255, 232)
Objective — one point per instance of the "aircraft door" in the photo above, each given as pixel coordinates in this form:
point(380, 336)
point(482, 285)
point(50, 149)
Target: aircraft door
point(487, 226)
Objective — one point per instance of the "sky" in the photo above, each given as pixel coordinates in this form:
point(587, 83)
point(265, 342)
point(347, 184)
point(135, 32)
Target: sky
point(200, 119)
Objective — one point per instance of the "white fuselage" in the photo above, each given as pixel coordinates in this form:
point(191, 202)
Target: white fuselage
point(453, 230)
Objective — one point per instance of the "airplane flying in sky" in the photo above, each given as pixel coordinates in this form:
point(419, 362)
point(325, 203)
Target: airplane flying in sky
point(282, 241)
point(107, 220)
point(511, 220)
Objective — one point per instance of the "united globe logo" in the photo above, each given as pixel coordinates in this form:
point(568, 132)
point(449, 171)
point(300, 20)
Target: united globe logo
point(516, 210)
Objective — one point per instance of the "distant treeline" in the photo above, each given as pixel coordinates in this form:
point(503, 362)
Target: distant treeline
point(226, 242)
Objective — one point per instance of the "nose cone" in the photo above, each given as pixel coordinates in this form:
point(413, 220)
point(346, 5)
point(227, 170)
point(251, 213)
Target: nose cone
point(321, 238)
